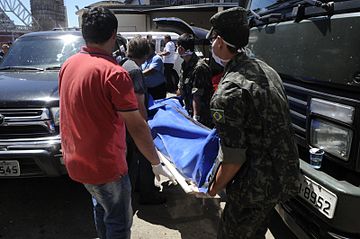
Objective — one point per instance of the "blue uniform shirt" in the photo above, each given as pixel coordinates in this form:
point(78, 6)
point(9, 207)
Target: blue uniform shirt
point(157, 77)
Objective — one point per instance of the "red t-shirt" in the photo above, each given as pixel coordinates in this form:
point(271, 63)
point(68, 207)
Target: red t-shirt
point(93, 88)
point(215, 80)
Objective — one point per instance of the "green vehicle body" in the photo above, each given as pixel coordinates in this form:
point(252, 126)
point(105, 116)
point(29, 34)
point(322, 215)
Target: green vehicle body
point(315, 48)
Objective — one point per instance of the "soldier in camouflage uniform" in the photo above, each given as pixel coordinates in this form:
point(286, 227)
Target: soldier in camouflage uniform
point(195, 81)
point(260, 165)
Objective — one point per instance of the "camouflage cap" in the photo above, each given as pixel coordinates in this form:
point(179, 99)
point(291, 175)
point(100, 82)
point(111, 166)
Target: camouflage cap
point(232, 26)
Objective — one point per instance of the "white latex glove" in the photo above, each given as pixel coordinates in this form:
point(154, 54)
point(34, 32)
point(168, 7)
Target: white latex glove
point(159, 169)
point(196, 117)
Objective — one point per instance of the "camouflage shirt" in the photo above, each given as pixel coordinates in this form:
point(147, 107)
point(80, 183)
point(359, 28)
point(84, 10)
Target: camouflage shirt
point(196, 80)
point(252, 118)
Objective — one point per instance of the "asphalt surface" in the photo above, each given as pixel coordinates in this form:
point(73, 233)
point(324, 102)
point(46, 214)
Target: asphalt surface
point(58, 208)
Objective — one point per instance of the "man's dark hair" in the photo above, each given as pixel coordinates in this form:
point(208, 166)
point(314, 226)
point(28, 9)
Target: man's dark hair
point(168, 37)
point(138, 48)
point(98, 25)
point(187, 41)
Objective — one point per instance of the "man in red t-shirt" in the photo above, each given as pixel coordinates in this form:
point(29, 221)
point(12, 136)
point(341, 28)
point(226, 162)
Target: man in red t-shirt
point(97, 100)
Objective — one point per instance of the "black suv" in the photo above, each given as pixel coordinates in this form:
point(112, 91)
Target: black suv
point(30, 143)
point(314, 46)
point(29, 103)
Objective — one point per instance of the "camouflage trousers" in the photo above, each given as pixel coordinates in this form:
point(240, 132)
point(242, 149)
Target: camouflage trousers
point(245, 221)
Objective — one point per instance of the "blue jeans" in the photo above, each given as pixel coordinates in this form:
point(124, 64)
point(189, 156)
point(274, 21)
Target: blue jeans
point(112, 208)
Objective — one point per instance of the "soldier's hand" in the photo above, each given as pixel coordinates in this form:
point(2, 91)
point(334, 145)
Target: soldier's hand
point(196, 118)
point(159, 169)
point(211, 192)
point(202, 195)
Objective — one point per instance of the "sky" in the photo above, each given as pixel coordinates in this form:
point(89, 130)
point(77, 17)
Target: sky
point(70, 7)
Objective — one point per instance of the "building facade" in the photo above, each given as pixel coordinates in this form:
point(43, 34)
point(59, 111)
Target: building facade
point(49, 14)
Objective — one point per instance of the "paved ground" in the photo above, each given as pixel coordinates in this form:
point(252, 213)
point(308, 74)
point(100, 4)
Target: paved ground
point(186, 217)
point(58, 208)
point(183, 216)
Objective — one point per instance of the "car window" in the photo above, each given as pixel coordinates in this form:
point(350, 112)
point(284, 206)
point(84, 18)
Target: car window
point(42, 52)
point(262, 4)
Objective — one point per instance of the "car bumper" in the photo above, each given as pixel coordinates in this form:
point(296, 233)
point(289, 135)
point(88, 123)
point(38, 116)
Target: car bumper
point(307, 222)
point(39, 157)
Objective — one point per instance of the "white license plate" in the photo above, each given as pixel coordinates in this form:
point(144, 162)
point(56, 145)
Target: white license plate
point(319, 197)
point(9, 168)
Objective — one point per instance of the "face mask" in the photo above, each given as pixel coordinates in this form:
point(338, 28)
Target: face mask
point(186, 53)
point(218, 59)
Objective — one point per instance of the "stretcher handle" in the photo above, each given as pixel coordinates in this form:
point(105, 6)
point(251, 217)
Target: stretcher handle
point(179, 178)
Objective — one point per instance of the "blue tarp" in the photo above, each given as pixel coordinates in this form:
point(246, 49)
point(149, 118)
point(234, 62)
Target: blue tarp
point(190, 146)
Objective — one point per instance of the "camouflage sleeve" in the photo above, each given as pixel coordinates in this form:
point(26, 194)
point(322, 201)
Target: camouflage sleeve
point(181, 80)
point(201, 80)
point(229, 113)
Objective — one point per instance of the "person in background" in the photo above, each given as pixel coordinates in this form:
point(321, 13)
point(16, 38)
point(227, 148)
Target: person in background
point(97, 100)
point(140, 172)
point(217, 72)
point(120, 53)
point(169, 58)
point(137, 52)
point(153, 70)
point(4, 51)
point(195, 81)
point(260, 162)
point(149, 38)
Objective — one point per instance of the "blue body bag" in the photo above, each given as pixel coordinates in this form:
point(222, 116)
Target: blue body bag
point(190, 146)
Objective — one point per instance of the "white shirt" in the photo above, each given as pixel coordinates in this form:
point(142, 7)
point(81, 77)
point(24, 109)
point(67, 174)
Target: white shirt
point(169, 47)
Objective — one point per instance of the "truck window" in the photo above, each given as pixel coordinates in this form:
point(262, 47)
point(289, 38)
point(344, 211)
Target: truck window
point(261, 4)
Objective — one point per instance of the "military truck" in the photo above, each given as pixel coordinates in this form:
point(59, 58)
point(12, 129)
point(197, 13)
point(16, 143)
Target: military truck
point(314, 46)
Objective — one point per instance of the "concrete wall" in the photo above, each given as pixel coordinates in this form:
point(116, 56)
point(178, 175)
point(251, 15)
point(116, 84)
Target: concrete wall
point(143, 21)
point(131, 22)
